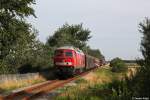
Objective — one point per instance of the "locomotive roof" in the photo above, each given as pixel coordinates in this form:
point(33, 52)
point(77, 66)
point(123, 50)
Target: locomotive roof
point(71, 48)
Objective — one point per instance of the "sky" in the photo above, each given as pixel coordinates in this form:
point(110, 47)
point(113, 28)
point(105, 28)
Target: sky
point(113, 24)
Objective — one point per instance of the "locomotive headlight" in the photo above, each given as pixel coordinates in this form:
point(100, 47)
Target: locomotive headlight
point(69, 63)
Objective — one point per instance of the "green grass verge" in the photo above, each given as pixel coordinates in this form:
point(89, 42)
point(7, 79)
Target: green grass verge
point(96, 89)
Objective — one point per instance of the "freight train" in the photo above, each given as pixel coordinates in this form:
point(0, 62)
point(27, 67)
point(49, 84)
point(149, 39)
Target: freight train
point(69, 61)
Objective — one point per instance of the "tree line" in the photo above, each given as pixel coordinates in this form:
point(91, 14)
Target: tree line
point(21, 51)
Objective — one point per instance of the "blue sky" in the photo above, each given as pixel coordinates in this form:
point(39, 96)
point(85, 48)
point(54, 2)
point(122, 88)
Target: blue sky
point(113, 23)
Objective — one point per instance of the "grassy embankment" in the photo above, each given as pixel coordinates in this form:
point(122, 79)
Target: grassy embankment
point(9, 85)
point(94, 86)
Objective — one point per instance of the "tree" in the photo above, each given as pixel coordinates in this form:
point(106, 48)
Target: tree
point(15, 33)
point(145, 42)
point(142, 79)
point(12, 24)
point(15, 8)
point(95, 53)
point(37, 59)
point(74, 35)
point(117, 65)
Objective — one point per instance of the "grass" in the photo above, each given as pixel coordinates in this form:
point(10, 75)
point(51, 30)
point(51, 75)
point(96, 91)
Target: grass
point(92, 86)
point(9, 85)
point(80, 80)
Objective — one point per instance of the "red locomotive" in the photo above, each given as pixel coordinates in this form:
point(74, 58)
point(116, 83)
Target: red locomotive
point(69, 60)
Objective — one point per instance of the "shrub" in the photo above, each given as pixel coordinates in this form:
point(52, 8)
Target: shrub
point(117, 65)
point(6, 68)
point(120, 91)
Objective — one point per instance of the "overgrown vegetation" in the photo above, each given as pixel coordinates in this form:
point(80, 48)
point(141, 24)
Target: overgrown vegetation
point(118, 65)
point(94, 86)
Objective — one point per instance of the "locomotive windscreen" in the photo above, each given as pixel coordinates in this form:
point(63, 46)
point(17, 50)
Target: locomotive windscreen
point(68, 53)
point(63, 53)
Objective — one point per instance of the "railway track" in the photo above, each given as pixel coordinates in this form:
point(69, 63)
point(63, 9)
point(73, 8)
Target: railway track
point(33, 92)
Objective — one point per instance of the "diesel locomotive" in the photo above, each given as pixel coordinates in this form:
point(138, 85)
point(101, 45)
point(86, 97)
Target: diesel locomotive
point(69, 60)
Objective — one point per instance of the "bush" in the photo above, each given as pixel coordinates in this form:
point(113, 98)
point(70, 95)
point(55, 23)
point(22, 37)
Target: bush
point(6, 68)
point(120, 91)
point(117, 65)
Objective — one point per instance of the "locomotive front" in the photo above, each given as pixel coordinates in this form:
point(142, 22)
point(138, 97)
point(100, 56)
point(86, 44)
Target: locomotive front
point(63, 58)
point(68, 60)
